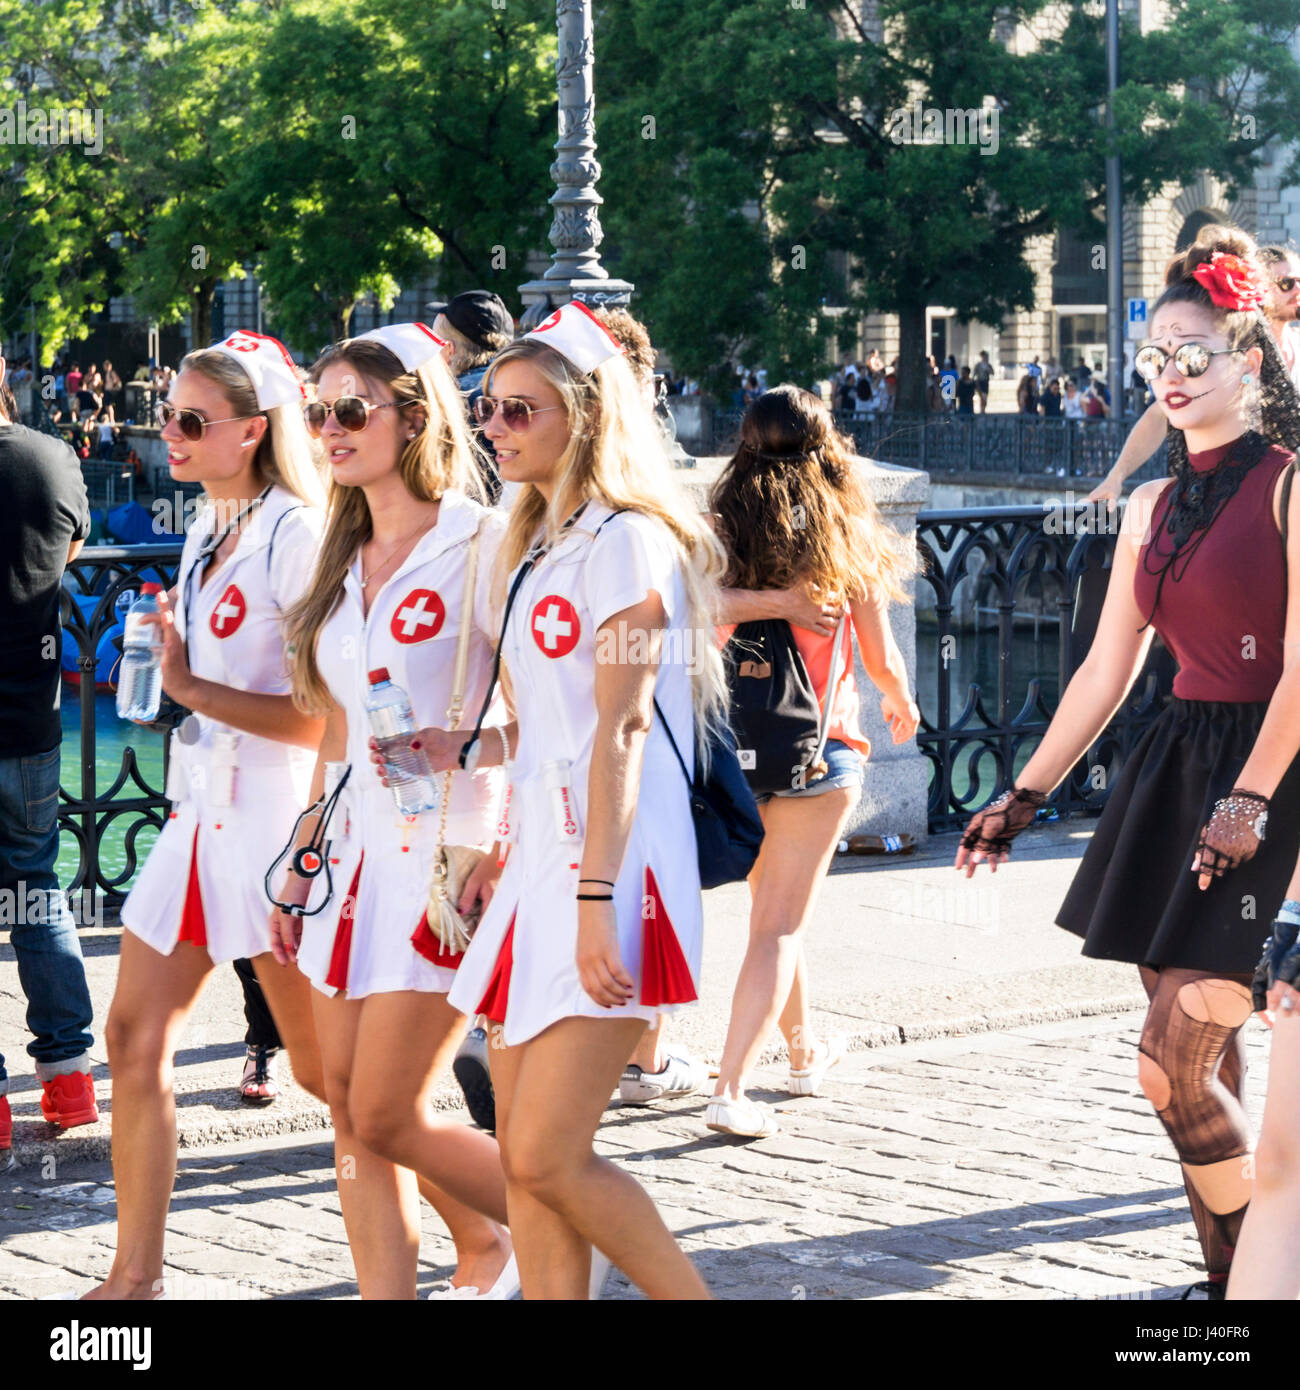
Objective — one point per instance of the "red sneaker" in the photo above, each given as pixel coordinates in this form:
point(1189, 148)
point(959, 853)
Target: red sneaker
point(6, 1124)
point(69, 1100)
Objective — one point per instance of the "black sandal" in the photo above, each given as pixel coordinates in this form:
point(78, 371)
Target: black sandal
point(259, 1071)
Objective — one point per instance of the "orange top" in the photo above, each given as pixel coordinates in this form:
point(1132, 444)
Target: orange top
point(816, 652)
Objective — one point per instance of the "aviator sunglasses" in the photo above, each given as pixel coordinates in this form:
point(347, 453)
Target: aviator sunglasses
point(516, 413)
point(1286, 283)
point(1191, 359)
point(190, 422)
point(351, 412)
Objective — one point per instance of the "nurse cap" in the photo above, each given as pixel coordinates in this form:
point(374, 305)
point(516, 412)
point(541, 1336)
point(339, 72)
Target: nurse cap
point(269, 367)
point(413, 344)
point(578, 336)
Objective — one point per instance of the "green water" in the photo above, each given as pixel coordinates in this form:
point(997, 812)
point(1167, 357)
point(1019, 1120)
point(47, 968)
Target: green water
point(974, 661)
point(112, 737)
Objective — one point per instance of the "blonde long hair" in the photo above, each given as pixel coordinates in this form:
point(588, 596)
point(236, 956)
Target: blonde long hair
point(285, 455)
point(615, 455)
point(440, 457)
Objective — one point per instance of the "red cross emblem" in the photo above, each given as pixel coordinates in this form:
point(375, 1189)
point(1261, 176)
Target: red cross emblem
point(555, 625)
point(229, 613)
point(418, 617)
point(242, 342)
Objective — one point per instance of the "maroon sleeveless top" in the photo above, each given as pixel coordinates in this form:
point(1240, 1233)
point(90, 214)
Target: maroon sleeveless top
point(1224, 616)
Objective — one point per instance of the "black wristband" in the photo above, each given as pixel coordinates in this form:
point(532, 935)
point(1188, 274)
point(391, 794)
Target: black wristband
point(596, 880)
point(594, 897)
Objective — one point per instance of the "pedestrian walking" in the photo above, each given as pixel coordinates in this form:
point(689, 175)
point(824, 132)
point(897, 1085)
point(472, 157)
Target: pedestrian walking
point(595, 927)
point(1180, 864)
point(238, 767)
point(792, 463)
point(983, 374)
point(400, 596)
point(44, 522)
point(965, 392)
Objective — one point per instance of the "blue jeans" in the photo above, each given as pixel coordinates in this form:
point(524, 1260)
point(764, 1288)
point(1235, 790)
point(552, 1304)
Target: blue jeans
point(50, 967)
point(844, 768)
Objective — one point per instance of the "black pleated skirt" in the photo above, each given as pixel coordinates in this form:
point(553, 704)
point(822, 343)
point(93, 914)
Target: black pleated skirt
point(1134, 897)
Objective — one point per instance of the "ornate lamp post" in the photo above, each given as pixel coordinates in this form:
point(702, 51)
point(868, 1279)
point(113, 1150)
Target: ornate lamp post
point(576, 271)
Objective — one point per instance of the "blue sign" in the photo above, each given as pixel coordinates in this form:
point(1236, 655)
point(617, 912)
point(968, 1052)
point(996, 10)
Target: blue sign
point(1137, 319)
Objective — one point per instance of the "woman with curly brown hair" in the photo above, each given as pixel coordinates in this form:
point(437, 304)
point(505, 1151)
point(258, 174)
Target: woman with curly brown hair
point(792, 510)
point(1210, 559)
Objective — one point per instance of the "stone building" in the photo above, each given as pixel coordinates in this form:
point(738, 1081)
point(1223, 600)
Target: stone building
point(1068, 322)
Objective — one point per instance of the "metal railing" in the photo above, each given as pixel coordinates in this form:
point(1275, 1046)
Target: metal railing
point(108, 572)
point(108, 484)
point(1023, 561)
point(1018, 558)
point(945, 442)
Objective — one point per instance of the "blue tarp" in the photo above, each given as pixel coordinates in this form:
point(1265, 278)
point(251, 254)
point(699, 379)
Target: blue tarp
point(132, 524)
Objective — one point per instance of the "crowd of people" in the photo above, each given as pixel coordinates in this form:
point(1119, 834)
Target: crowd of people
point(351, 538)
point(492, 523)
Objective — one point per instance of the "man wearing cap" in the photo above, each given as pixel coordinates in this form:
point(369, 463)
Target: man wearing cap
point(476, 325)
point(44, 521)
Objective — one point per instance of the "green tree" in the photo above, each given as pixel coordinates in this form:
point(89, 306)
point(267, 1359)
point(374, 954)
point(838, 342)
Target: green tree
point(766, 165)
point(187, 137)
point(63, 207)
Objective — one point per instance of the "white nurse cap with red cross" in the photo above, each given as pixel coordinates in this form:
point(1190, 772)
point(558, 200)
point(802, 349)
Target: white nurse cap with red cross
point(577, 335)
point(413, 344)
point(269, 367)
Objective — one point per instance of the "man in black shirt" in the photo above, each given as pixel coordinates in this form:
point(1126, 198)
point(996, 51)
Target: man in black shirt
point(966, 389)
point(44, 521)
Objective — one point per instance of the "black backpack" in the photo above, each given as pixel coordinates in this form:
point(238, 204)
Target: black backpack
point(780, 728)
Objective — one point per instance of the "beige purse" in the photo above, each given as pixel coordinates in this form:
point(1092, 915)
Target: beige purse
point(453, 864)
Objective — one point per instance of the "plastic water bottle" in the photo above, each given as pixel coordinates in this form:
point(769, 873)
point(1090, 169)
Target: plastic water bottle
point(410, 778)
point(139, 677)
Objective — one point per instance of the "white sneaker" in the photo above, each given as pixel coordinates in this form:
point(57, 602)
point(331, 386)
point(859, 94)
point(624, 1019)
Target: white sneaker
point(505, 1288)
point(741, 1116)
point(806, 1080)
point(682, 1075)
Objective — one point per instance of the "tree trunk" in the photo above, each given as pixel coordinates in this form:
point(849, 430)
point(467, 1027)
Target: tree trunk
point(913, 359)
point(201, 314)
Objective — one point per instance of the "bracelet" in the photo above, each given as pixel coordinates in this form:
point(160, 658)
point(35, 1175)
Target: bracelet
point(505, 744)
point(595, 897)
point(596, 880)
point(1033, 798)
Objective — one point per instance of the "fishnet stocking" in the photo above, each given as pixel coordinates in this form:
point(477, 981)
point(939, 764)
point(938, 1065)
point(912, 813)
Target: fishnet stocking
point(1197, 1085)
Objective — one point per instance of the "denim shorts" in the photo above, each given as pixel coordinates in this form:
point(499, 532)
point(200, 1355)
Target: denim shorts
point(844, 768)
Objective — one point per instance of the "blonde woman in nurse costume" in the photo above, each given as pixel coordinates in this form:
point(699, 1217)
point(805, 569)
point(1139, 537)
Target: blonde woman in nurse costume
point(587, 939)
point(389, 591)
point(232, 421)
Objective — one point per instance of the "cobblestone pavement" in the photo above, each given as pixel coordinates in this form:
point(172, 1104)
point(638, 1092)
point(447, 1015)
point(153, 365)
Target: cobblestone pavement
point(1013, 1165)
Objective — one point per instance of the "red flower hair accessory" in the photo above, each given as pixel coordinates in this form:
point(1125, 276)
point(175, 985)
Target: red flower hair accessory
point(1230, 281)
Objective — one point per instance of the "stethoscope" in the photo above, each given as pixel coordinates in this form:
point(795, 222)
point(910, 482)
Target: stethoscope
point(311, 859)
point(188, 730)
